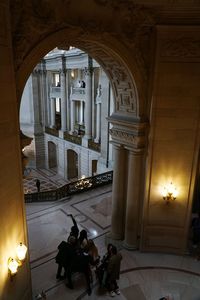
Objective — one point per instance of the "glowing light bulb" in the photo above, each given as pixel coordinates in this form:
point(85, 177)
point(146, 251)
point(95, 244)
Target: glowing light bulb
point(21, 251)
point(12, 266)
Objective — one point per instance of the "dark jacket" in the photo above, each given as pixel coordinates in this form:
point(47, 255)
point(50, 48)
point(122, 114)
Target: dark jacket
point(65, 254)
point(114, 266)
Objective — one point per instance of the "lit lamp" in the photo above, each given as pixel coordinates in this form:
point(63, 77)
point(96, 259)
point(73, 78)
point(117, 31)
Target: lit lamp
point(169, 193)
point(83, 183)
point(12, 266)
point(21, 252)
point(72, 73)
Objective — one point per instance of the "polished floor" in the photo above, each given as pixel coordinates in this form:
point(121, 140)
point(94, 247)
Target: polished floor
point(144, 276)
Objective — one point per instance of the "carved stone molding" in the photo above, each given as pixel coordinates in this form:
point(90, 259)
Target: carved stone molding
point(31, 22)
point(88, 71)
point(128, 132)
point(128, 139)
point(126, 95)
point(181, 48)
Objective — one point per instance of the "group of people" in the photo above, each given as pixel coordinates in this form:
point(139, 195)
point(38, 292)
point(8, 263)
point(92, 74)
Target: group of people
point(80, 254)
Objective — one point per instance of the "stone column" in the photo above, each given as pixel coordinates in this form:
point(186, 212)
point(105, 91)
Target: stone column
point(38, 87)
point(67, 81)
point(118, 194)
point(98, 123)
point(53, 113)
point(88, 103)
point(43, 93)
point(81, 113)
point(36, 101)
point(63, 102)
point(72, 115)
point(133, 199)
point(48, 101)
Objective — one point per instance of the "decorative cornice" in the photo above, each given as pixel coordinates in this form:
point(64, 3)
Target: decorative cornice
point(128, 139)
point(128, 132)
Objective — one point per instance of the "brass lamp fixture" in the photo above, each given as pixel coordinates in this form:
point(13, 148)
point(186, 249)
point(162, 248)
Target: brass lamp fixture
point(14, 263)
point(21, 252)
point(169, 193)
point(12, 266)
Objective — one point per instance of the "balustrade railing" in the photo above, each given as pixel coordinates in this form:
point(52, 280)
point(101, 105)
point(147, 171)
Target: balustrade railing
point(72, 138)
point(55, 89)
point(78, 91)
point(78, 186)
point(52, 131)
point(94, 146)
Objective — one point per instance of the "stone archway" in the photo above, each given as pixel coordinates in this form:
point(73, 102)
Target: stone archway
point(52, 156)
point(72, 164)
point(94, 167)
point(119, 46)
point(123, 60)
point(123, 84)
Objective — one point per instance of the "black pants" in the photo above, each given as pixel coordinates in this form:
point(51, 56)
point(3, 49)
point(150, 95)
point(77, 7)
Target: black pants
point(59, 271)
point(112, 285)
point(86, 272)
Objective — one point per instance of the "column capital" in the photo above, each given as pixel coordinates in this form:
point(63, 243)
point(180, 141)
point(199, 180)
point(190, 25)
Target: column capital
point(62, 72)
point(129, 139)
point(130, 132)
point(88, 71)
point(36, 72)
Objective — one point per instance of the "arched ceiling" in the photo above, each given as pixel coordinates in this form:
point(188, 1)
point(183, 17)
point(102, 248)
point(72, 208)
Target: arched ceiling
point(118, 34)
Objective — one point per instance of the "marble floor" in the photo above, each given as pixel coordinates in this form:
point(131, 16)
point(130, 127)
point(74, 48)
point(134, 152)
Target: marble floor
point(144, 276)
point(49, 180)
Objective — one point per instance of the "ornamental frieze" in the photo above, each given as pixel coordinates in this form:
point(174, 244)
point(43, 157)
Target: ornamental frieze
point(181, 48)
point(127, 138)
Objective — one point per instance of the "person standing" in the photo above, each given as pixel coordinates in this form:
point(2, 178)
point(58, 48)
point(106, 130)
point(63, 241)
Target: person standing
point(38, 185)
point(74, 229)
point(66, 254)
point(113, 272)
point(83, 84)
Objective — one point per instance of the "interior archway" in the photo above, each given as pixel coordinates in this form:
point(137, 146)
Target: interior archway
point(72, 164)
point(52, 155)
point(110, 54)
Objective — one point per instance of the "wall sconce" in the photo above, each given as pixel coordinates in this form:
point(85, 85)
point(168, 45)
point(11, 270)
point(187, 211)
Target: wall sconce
point(169, 193)
point(21, 252)
point(12, 266)
point(72, 74)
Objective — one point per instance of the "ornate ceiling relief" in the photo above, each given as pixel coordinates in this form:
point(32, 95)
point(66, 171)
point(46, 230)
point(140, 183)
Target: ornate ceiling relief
point(32, 20)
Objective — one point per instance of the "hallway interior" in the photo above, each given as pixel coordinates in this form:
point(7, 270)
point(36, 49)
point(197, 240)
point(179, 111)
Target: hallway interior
point(144, 276)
